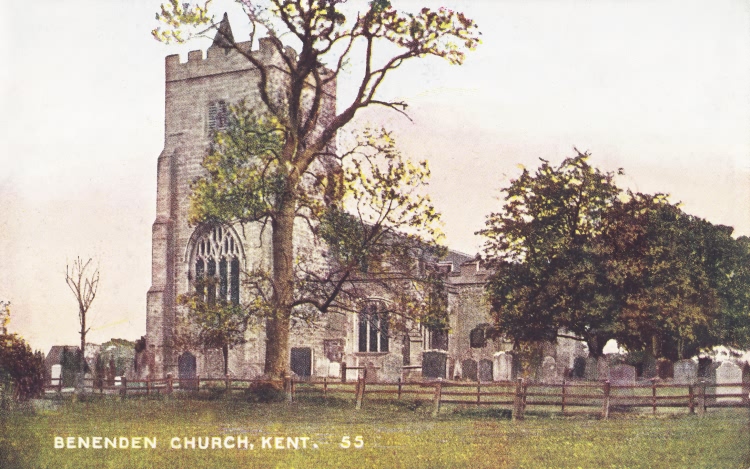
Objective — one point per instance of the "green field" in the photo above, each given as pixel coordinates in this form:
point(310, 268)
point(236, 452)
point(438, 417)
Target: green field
point(394, 435)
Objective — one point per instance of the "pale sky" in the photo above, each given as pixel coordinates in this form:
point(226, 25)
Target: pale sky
point(661, 89)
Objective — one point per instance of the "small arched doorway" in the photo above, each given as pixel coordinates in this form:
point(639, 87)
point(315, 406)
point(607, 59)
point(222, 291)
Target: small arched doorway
point(186, 369)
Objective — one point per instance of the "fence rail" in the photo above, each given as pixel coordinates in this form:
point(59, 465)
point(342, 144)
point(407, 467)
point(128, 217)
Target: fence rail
point(570, 397)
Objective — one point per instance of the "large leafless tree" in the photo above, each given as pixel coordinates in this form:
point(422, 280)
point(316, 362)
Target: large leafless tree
point(329, 35)
point(83, 280)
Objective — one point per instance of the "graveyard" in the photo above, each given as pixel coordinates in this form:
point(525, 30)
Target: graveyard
point(313, 432)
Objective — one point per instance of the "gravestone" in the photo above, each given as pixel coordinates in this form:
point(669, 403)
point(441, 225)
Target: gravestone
point(56, 375)
point(433, 364)
point(469, 368)
point(648, 367)
point(579, 368)
point(564, 364)
point(351, 361)
point(704, 366)
point(548, 370)
point(334, 370)
point(592, 369)
point(664, 368)
point(685, 372)
point(322, 365)
point(485, 370)
point(503, 362)
point(728, 373)
point(372, 373)
point(456, 372)
point(390, 372)
point(622, 375)
point(602, 368)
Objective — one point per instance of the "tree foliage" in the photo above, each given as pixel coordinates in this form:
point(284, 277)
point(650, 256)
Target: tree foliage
point(368, 213)
point(20, 368)
point(293, 136)
point(212, 324)
point(575, 253)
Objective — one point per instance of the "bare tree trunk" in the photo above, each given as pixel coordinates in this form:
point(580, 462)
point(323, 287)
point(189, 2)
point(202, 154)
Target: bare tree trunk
point(81, 365)
point(277, 326)
point(225, 353)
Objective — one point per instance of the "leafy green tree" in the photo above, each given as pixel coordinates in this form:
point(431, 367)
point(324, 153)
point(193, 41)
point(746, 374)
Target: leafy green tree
point(371, 217)
point(574, 253)
point(733, 278)
point(20, 368)
point(548, 267)
point(299, 130)
point(212, 324)
point(683, 284)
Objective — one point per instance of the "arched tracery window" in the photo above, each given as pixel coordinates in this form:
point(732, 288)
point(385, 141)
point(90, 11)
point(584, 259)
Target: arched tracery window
point(373, 328)
point(216, 264)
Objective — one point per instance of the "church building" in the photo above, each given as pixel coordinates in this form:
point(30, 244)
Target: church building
point(198, 95)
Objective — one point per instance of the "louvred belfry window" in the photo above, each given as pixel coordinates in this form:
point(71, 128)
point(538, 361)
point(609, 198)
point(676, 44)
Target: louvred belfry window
point(216, 264)
point(218, 115)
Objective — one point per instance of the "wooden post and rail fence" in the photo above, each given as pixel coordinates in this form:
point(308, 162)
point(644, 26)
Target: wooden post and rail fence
point(569, 396)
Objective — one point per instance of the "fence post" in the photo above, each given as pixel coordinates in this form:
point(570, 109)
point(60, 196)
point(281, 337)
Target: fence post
point(288, 390)
point(325, 387)
point(605, 404)
point(226, 381)
point(169, 383)
point(148, 386)
point(59, 384)
point(123, 387)
point(343, 372)
point(438, 396)
point(479, 390)
point(653, 396)
point(518, 401)
point(399, 388)
point(746, 393)
point(563, 396)
point(361, 390)
point(691, 399)
point(702, 402)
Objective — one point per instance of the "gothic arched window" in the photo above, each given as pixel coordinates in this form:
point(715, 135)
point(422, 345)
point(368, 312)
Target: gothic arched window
point(216, 264)
point(373, 328)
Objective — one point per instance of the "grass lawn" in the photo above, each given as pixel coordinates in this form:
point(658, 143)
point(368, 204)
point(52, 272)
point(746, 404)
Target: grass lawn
point(396, 435)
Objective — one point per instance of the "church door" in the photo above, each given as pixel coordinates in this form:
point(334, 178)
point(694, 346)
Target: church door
point(301, 361)
point(186, 368)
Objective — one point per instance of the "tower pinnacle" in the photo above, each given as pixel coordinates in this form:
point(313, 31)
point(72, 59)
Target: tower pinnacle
point(224, 37)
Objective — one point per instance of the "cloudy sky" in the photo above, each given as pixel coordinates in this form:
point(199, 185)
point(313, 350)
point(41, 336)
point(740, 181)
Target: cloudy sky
point(659, 88)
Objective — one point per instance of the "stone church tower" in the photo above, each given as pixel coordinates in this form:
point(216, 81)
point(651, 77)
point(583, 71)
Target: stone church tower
point(198, 95)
